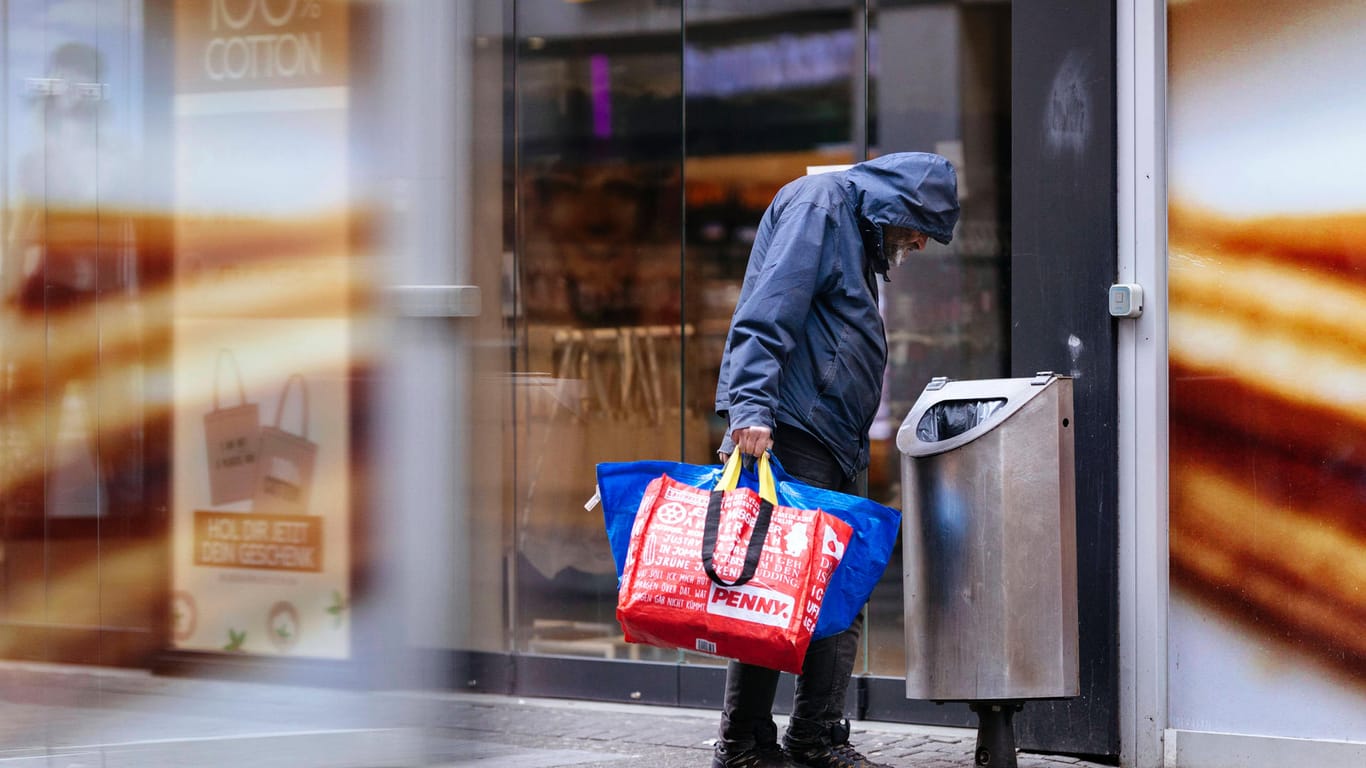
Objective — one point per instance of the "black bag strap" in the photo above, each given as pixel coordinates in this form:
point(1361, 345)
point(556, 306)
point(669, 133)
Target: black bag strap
point(757, 538)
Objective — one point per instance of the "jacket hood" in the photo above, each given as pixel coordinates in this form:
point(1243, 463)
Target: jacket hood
point(917, 190)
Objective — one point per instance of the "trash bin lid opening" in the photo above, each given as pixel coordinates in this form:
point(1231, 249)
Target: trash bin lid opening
point(952, 418)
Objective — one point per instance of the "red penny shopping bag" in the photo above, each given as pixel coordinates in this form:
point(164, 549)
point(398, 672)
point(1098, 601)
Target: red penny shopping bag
point(728, 572)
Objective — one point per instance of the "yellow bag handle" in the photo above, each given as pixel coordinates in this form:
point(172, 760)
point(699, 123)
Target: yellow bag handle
point(730, 477)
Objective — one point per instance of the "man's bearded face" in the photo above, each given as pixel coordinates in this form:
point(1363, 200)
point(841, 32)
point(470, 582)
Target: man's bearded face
point(899, 242)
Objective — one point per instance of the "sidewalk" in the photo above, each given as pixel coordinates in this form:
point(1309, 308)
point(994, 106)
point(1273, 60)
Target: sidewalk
point(75, 717)
point(539, 733)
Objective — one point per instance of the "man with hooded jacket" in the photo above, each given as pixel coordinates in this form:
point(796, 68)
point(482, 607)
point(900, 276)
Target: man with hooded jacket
point(802, 375)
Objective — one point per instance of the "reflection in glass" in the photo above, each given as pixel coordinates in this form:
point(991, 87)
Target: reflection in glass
point(599, 327)
point(939, 81)
point(769, 93)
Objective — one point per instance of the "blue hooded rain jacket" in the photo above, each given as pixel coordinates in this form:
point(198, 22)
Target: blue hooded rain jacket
point(807, 345)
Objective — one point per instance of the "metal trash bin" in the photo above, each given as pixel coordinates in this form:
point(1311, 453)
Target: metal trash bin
point(989, 547)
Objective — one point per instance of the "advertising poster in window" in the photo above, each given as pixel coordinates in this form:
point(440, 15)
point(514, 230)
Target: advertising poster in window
point(1267, 249)
point(263, 328)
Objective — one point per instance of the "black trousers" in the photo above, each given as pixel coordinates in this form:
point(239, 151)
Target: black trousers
point(747, 718)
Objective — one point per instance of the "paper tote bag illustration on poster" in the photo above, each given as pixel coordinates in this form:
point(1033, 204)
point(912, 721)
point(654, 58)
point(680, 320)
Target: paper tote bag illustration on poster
point(231, 435)
point(285, 461)
point(729, 572)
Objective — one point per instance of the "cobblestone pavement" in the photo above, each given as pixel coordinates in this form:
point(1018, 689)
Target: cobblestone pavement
point(76, 717)
point(547, 734)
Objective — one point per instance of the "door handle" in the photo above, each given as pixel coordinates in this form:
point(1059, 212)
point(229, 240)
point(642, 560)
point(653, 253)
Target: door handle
point(434, 300)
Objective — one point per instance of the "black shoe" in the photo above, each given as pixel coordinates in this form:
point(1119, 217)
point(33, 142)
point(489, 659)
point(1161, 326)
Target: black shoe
point(758, 756)
point(834, 751)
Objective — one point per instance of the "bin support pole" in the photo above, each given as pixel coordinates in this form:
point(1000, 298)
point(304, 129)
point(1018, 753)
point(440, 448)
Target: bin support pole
point(995, 733)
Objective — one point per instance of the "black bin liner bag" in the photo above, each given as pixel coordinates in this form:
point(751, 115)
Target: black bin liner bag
point(954, 417)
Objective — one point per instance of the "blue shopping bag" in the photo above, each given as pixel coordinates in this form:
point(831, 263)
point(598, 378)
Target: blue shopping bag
point(621, 486)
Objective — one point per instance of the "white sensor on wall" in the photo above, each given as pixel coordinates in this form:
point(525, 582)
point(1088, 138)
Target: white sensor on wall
point(1126, 300)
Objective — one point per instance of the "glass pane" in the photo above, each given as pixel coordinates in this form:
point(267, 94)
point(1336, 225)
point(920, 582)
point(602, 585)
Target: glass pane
point(771, 90)
point(939, 81)
point(491, 202)
point(599, 322)
point(1267, 628)
point(442, 405)
point(81, 578)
